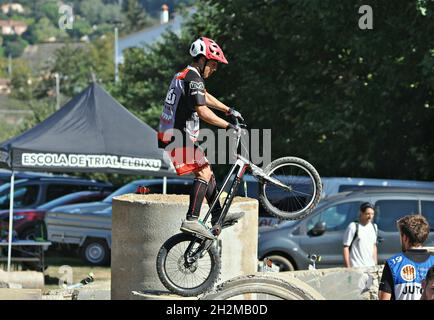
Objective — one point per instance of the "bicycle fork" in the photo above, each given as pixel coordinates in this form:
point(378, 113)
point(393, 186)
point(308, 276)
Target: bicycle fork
point(191, 256)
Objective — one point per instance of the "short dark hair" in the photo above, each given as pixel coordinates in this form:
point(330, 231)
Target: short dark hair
point(366, 205)
point(415, 227)
point(196, 58)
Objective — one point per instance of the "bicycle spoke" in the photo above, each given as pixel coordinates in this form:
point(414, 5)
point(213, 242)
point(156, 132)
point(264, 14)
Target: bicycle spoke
point(187, 277)
point(302, 185)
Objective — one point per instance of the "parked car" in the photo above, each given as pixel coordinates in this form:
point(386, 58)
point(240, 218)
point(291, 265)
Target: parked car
point(29, 222)
point(331, 186)
point(87, 227)
point(5, 175)
point(31, 193)
point(290, 243)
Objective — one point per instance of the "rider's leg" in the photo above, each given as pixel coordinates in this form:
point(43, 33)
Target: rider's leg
point(211, 194)
point(198, 192)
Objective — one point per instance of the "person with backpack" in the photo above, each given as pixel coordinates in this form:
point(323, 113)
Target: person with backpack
point(360, 239)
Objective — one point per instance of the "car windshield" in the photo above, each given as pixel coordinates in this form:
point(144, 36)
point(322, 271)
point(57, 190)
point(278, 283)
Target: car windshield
point(61, 201)
point(129, 188)
point(7, 186)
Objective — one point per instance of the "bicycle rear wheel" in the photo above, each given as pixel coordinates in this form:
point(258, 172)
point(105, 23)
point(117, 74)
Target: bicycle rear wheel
point(301, 196)
point(263, 287)
point(187, 280)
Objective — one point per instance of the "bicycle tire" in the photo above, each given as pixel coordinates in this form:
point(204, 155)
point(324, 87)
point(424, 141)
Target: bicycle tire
point(205, 286)
point(292, 289)
point(314, 176)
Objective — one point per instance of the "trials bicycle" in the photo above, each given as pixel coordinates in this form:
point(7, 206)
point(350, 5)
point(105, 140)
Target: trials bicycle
point(289, 189)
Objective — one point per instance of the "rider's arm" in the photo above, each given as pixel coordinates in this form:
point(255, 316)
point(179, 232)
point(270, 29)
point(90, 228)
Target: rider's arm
point(210, 117)
point(213, 102)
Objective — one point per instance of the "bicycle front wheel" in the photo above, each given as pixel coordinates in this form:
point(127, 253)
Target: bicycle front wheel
point(302, 192)
point(187, 279)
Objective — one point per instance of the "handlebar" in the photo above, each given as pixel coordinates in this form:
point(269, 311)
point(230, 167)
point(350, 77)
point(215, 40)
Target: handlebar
point(241, 124)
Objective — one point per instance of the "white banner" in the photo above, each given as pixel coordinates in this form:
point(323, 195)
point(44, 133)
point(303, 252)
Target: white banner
point(88, 161)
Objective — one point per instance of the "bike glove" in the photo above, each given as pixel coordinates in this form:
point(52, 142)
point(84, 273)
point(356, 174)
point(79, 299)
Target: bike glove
point(232, 126)
point(234, 113)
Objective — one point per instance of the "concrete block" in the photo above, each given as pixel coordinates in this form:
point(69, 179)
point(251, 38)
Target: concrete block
point(25, 279)
point(20, 294)
point(99, 290)
point(142, 223)
point(341, 283)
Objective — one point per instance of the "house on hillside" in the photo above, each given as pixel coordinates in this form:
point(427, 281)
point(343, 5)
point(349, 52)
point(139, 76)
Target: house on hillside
point(9, 27)
point(12, 7)
point(5, 86)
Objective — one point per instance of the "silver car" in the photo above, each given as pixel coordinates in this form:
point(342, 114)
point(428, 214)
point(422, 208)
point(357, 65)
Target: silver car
point(290, 243)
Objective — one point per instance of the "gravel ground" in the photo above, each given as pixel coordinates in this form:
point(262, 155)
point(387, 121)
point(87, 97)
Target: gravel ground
point(79, 271)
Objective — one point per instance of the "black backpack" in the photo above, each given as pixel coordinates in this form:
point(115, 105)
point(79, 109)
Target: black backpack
point(357, 232)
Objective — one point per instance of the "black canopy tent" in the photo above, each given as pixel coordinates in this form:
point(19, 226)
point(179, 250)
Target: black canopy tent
point(91, 133)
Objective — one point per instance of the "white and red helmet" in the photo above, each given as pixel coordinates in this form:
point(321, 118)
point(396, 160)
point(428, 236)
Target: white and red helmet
point(209, 48)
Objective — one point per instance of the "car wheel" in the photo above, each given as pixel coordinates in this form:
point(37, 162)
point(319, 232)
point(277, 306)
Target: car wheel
point(28, 234)
point(38, 230)
point(283, 263)
point(95, 252)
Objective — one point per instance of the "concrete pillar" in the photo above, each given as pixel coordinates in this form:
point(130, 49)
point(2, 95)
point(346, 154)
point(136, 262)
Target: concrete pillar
point(142, 223)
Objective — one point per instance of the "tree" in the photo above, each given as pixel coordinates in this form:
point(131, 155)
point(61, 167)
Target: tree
point(92, 11)
point(44, 29)
point(14, 46)
point(353, 102)
point(136, 17)
point(22, 81)
point(76, 63)
point(50, 10)
point(3, 65)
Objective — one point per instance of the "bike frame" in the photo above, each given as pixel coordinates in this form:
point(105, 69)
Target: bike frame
point(238, 168)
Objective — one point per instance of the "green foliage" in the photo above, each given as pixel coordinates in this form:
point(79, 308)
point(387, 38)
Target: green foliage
point(136, 17)
point(81, 27)
point(96, 12)
point(75, 65)
point(45, 29)
point(22, 81)
point(14, 46)
point(3, 65)
point(2, 50)
point(41, 110)
point(353, 102)
point(50, 10)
